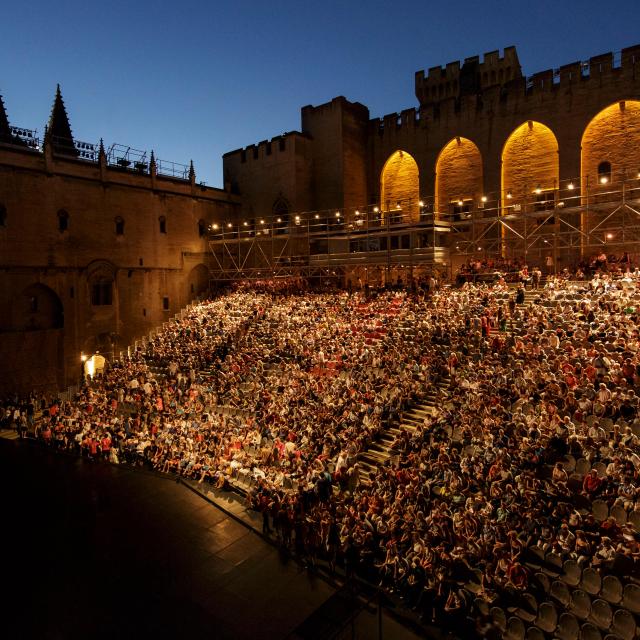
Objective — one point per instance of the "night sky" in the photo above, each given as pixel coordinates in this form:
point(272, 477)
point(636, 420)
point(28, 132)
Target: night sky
point(194, 79)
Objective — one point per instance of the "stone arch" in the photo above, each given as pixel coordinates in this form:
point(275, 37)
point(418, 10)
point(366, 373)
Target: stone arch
point(197, 281)
point(400, 185)
point(530, 163)
point(459, 174)
point(37, 308)
point(612, 137)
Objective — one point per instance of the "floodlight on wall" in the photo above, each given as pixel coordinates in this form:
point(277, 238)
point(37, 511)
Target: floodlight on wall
point(215, 227)
point(317, 216)
point(609, 236)
point(421, 203)
point(398, 205)
point(297, 219)
point(509, 195)
point(604, 180)
point(571, 186)
point(538, 190)
point(261, 221)
point(245, 224)
point(460, 203)
point(278, 219)
point(357, 212)
point(229, 225)
point(337, 214)
point(483, 199)
point(375, 209)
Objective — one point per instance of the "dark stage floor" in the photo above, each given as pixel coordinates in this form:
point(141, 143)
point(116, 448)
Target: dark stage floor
point(96, 551)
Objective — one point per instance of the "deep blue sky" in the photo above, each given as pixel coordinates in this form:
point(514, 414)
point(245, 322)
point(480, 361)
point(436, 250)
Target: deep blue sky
point(194, 79)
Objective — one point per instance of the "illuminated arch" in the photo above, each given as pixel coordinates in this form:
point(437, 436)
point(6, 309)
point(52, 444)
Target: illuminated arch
point(611, 145)
point(458, 173)
point(400, 185)
point(529, 161)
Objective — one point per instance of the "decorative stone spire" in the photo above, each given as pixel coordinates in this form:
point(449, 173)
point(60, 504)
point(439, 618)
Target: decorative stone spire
point(153, 169)
point(101, 151)
point(60, 134)
point(192, 172)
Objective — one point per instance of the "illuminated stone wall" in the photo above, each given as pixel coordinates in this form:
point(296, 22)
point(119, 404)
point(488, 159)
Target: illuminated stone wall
point(529, 160)
point(144, 264)
point(458, 173)
point(612, 136)
point(400, 183)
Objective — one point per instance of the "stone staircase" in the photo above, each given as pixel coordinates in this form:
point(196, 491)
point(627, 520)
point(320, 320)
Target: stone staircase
point(381, 451)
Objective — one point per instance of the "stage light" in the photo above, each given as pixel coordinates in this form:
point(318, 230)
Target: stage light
point(483, 199)
point(215, 227)
point(317, 217)
point(509, 195)
point(609, 236)
point(571, 186)
point(337, 214)
point(375, 209)
point(245, 223)
point(538, 190)
point(279, 220)
point(460, 203)
point(421, 203)
point(604, 180)
point(229, 225)
point(261, 221)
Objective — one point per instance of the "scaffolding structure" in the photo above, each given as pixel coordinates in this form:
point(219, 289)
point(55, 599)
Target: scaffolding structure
point(568, 222)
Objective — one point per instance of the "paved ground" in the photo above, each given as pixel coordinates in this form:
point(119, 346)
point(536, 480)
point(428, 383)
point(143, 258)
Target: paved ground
point(98, 551)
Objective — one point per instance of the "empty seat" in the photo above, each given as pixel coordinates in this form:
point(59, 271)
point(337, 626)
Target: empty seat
point(568, 627)
point(611, 589)
point(601, 614)
point(533, 633)
point(560, 593)
point(600, 510)
point(619, 514)
point(482, 606)
point(591, 581)
point(515, 629)
point(571, 573)
point(542, 579)
point(569, 463)
point(580, 604)
point(624, 624)
point(589, 631)
point(552, 564)
point(634, 519)
point(547, 619)
point(528, 608)
point(631, 598)
point(583, 466)
point(499, 618)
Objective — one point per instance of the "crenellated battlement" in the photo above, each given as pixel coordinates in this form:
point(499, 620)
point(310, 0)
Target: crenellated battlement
point(278, 145)
point(478, 87)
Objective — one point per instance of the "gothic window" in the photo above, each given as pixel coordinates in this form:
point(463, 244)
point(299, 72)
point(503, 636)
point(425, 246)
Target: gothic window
point(102, 293)
point(119, 226)
point(202, 228)
point(163, 224)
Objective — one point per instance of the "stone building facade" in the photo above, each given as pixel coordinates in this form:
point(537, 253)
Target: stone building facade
point(483, 138)
point(94, 252)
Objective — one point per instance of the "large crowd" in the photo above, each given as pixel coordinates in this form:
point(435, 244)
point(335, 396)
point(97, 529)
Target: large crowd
point(286, 388)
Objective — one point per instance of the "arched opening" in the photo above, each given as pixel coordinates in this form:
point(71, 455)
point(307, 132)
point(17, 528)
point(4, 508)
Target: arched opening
point(162, 224)
point(530, 166)
point(37, 308)
point(3, 215)
point(458, 177)
point(119, 222)
point(611, 146)
point(100, 279)
point(198, 281)
point(400, 188)
point(280, 212)
point(202, 228)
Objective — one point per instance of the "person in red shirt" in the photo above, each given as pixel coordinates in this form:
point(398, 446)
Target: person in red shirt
point(591, 484)
point(105, 446)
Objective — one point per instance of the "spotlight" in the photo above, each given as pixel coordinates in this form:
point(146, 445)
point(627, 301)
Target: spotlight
point(229, 225)
point(538, 190)
point(376, 209)
point(571, 186)
point(215, 227)
point(483, 199)
point(460, 203)
point(245, 224)
point(317, 217)
point(421, 203)
point(279, 220)
point(261, 221)
point(609, 236)
point(337, 214)
point(509, 195)
point(604, 180)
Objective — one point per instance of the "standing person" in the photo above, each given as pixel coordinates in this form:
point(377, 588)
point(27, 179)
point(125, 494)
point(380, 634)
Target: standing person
point(549, 264)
